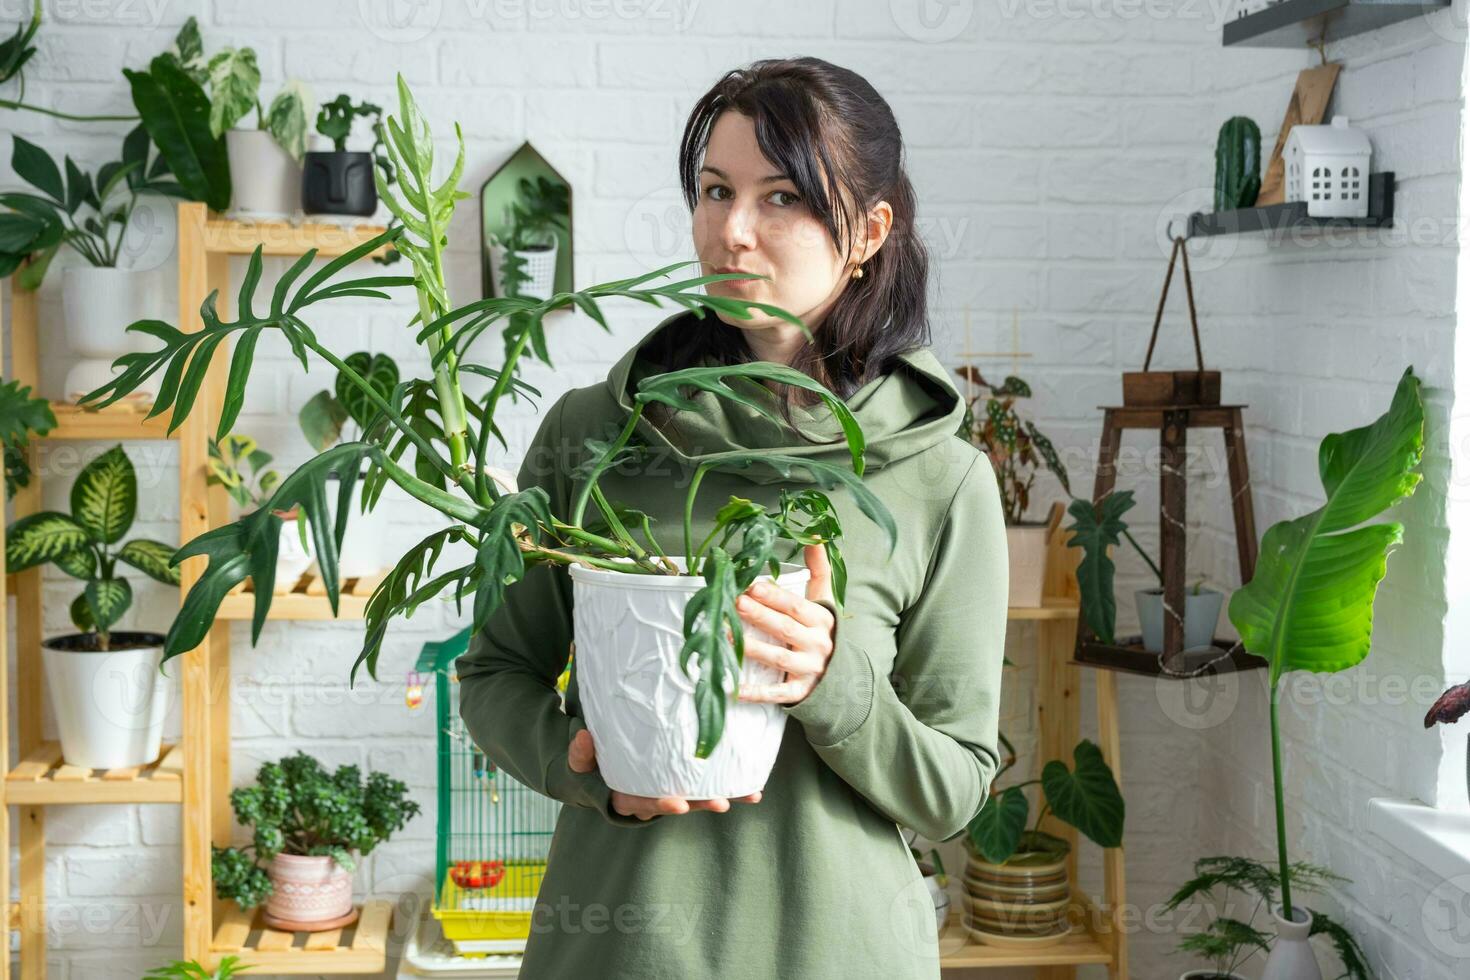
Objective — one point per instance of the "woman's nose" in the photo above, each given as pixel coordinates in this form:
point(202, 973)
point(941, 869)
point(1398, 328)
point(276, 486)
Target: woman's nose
point(740, 227)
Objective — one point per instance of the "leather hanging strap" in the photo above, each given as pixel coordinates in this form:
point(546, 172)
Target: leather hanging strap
point(1199, 356)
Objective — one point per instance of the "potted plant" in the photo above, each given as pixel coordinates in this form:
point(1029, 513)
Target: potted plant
point(1231, 940)
point(1017, 450)
point(90, 216)
point(309, 829)
point(931, 866)
point(523, 257)
point(1016, 880)
point(1096, 528)
point(239, 465)
point(453, 473)
point(324, 419)
point(340, 181)
point(104, 682)
point(21, 416)
point(1309, 605)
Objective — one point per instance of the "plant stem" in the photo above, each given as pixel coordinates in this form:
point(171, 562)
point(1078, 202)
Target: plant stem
point(8, 104)
point(579, 504)
point(1136, 547)
point(502, 381)
point(616, 525)
point(1280, 802)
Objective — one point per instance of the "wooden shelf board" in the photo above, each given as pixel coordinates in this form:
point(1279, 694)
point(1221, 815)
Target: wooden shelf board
point(960, 950)
point(121, 420)
point(1279, 219)
point(1130, 657)
point(1296, 23)
point(304, 599)
point(1052, 607)
point(358, 948)
point(235, 237)
point(42, 778)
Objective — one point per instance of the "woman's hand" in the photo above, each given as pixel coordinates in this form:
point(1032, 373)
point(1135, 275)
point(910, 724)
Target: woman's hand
point(806, 628)
point(582, 757)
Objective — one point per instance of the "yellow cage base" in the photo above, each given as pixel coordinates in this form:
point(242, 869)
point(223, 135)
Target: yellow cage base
point(480, 921)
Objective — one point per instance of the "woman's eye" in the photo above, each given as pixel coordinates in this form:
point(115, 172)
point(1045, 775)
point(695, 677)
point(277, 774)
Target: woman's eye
point(789, 199)
point(716, 192)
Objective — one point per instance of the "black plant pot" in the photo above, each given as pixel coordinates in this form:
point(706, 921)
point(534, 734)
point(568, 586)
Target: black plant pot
point(338, 183)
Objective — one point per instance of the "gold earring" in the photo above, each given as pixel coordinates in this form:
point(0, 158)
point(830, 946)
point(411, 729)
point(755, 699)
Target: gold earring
point(857, 273)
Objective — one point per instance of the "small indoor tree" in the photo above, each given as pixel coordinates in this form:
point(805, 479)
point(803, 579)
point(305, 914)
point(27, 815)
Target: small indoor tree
point(450, 434)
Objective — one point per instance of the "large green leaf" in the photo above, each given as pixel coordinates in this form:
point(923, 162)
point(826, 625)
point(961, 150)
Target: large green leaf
point(107, 599)
point(234, 87)
point(996, 830)
point(152, 558)
point(104, 497)
point(1095, 529)
point(1309, 605)
point(176, 112)
point(80, 563)
point(21, 416)
point(35, 166)
point(707, 616)
point(381, 373)
point(1087, 798)
point(38, 538)
point(826, 476)
point(285, 118)
point(407, 586)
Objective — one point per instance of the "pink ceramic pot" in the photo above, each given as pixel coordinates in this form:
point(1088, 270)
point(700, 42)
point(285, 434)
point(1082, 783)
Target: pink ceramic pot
point(308, 889)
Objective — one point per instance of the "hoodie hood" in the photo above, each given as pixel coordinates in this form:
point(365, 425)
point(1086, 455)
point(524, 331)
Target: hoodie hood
point(902, 413)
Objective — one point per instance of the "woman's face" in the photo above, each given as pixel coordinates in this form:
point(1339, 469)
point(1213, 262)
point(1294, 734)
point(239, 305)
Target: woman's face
point(749, 218)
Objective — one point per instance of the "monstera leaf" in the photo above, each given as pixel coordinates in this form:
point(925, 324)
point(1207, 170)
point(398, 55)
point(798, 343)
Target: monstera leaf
point(1309, 605)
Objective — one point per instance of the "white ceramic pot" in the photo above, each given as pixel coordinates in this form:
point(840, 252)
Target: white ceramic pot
point(1291, 956)
point(936, 892)
point(638, 702)
point(1201, 615)
point(265, 181)
point(292, 557)
point(308, 889)
point(365, 545)
point(540, 267)
point(1026, 546)
point(109, 705)
point(97, 306)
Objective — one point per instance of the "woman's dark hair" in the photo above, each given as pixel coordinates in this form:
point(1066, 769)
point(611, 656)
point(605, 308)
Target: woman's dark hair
point(828, 131)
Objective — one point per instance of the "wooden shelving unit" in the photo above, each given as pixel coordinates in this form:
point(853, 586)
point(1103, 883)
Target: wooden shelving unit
point(1298, 23)
point(1101, 938)
point(195, 773)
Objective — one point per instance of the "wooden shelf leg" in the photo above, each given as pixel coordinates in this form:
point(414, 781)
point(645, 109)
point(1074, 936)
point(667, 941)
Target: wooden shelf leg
point(1172, 440)
point(32, 893)
point(1060, 723)
point(1114, 888)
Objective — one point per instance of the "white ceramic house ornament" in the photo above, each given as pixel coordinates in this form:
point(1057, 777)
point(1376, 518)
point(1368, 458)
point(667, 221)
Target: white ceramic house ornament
point(1327, 167)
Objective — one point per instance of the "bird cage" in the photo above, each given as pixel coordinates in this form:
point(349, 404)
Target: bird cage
point(493, 835)
point(1327, 167)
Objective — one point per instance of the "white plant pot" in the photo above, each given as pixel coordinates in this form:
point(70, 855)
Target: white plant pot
point(1026, 546)
point(265, 181)
point(940, 896)
point(292, 557)
point(540, 267)
point(364, 548)
point(97, 306)
point(1291, 956)
point(109, 705)
point(1201, 615)
point(639, 703)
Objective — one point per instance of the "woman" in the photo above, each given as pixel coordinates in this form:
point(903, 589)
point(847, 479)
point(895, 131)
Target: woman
point(793, 170)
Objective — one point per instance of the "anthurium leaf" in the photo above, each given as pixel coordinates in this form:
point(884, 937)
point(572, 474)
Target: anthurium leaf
point(1309, 605)
point(379, 371)
point(152, 558)
point(996, 830)
point(104, 496)
point(1095, 529)
point(1087, 797)
point(41, 537)
point(322, 419)
point(107, 600)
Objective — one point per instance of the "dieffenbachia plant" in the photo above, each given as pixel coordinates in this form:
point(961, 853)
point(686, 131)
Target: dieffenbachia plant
point(85, 544)
point(450, 434)
point(1309, 605)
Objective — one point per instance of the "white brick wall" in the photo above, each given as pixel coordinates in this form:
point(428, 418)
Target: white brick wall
point(1049, 142)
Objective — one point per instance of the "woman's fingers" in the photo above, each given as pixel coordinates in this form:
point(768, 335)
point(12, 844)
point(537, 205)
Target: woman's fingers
point(648, 807)
point(784, 658)
point(582, 753)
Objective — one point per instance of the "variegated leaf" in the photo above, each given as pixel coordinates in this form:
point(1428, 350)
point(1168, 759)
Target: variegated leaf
point(104, 497)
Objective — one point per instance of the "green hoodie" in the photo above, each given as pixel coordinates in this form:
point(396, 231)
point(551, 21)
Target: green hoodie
point(815, 880)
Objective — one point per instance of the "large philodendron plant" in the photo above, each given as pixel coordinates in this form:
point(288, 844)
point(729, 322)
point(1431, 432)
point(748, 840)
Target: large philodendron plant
point(1309, 605)
point(450, 434)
